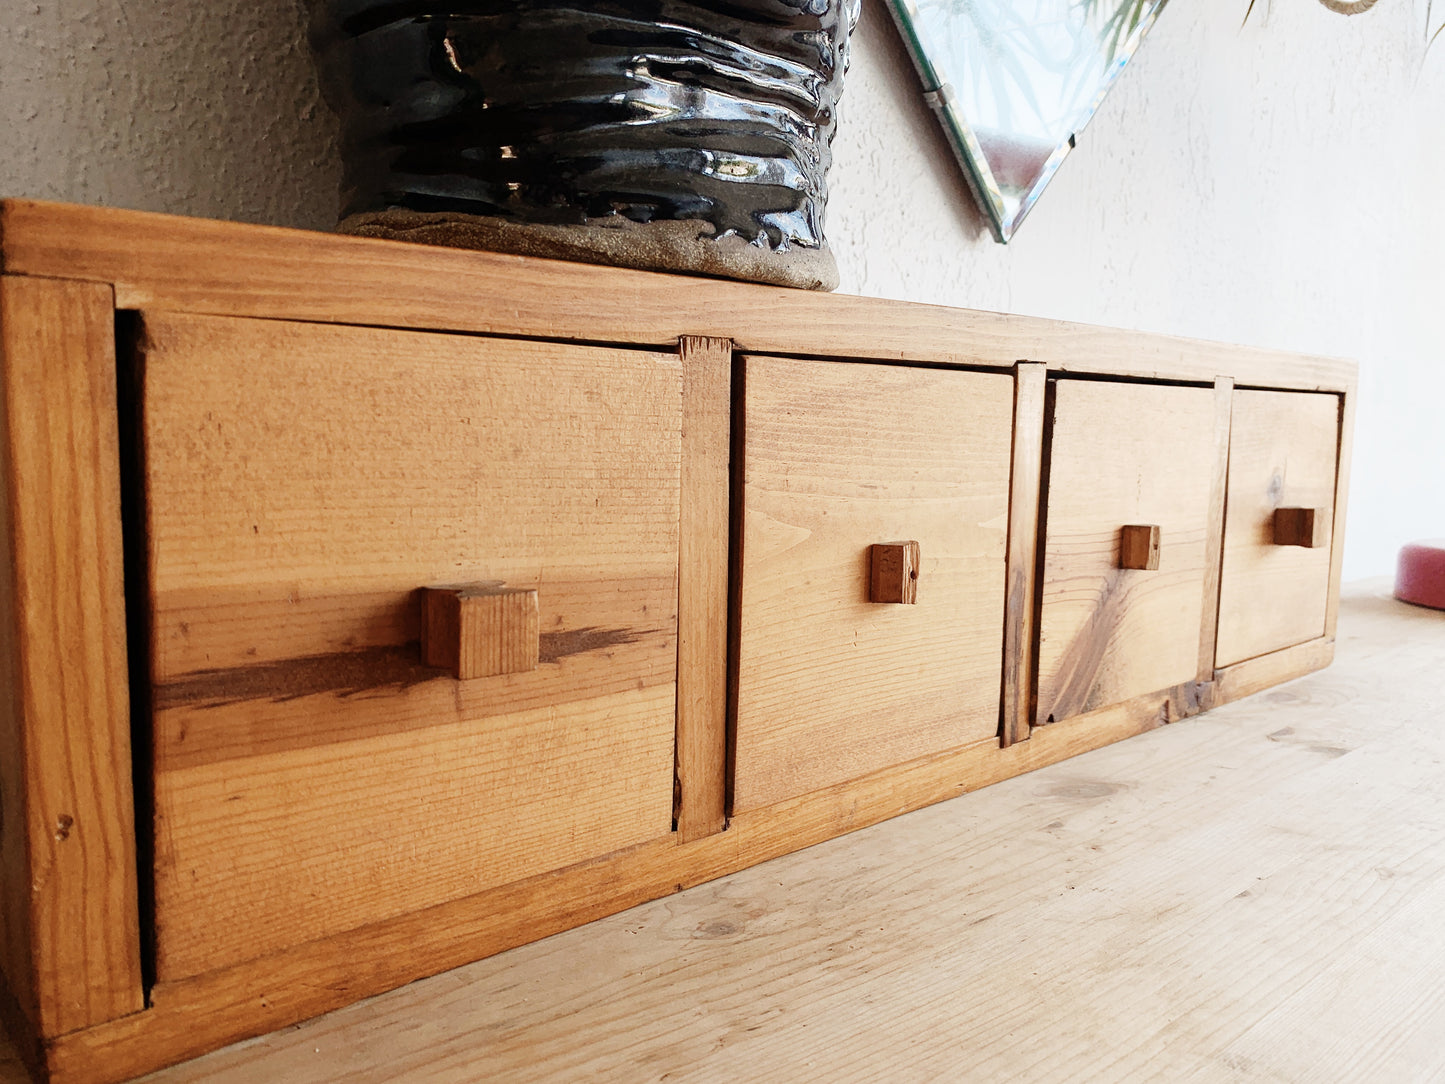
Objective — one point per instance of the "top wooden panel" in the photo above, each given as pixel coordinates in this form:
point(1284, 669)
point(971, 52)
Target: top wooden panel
point(227, 268)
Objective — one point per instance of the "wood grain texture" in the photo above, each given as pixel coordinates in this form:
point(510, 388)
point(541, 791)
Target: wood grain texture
point(197, 1014)
point(831, 686)
point(1304, 527)
point(480, 631)
point(1214, 541)
point(17, 966)
point(1025, 493)
point(1213, 901)
point(1283, 448)
point(1264, 671)
point(343, 782)
point(702, 632)
point(1342, 495)
point(1139, 546)
point(1122, 454)
point(71, 882)
point(893, 572)
point(226, 268)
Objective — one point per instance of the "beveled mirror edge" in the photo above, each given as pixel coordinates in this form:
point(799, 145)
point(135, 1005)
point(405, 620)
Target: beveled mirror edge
point(941, 100)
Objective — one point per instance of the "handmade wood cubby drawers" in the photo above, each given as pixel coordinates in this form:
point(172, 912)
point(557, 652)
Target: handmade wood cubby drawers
point(367, 609)
point(1126, 459)
point(836, 458)
point(1274, 587)
point(302, 483)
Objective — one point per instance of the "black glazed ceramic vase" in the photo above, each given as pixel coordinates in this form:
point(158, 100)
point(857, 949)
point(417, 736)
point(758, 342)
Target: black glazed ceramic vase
point(661, 134)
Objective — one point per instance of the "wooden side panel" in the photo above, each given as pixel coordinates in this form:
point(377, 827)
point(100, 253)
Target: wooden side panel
point(1123, 454)
point(702, 633)
point(1214, 546)
point(1030, 384)
point(66, 717)
point(839, 457)
point(17, 967)
point(1342, 497)
point(304, 481)
point(159, 261)
point(1283, 448)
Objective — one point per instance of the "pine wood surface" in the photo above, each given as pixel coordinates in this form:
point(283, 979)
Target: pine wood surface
point(1123, 454)
point(227, 268)
point(1030, 396)
point(192, 1016)
point(1215, 900)
point(310, 779)
point(1214, 541)
point(703, 563)
point(837, 459)
point(1341, 507)
point(69, 857)
point(1283, 448)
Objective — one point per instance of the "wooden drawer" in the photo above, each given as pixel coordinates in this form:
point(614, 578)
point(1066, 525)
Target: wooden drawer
point(836, 458)
point(1124, 455)
point(303, 482)
point(1275, 580)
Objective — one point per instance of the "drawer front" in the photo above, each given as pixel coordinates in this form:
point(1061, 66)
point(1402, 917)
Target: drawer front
point(304, 483)
point(838, 458)
point(1274, 584)
point(1123, 456)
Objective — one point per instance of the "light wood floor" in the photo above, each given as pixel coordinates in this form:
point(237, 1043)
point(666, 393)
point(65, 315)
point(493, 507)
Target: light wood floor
point(1257, 894)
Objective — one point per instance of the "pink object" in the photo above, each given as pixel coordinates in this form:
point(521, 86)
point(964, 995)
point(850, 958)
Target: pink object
point(1420, 577)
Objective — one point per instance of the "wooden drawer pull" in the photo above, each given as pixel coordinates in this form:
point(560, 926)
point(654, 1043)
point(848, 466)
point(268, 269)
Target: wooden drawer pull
point(479, 630)
point(1299, 527)
point(893, 573)
point(1139, 546)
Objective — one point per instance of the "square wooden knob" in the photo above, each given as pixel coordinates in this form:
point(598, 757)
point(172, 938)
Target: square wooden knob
point(1139, 546)
point(1299, 527)
point(480, 630)
point(894, 572)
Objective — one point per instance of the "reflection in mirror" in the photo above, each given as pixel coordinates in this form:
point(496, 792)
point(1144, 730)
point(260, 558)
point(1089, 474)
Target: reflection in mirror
point(1014, 81)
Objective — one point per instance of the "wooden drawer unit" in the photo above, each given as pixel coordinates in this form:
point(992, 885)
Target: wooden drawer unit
point(1131, 466)
point(1274, 587)
point(837, 458)
point(302, 484)
point(367, 609)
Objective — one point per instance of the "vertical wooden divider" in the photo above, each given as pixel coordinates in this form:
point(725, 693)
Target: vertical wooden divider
point(1214, 541)
point(702, 615)
point(1337, 520)
point(1030, 383)
point(67, 713)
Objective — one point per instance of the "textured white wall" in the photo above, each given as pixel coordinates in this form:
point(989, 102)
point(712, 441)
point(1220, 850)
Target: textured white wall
point(1277, 185)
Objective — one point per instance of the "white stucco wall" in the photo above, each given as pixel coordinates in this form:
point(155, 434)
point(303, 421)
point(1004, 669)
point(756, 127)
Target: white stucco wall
point(1276, 184)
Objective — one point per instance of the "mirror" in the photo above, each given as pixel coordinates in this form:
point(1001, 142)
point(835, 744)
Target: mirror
point(1015, 81)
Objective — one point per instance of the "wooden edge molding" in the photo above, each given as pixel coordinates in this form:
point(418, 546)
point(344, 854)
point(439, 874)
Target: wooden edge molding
point(228, 268)
point(1030, 384)
point(193, 1016)
point(1214, 540)
point(60, 461)
point(1337, 517)
point(1253, 675)
point(702, 631)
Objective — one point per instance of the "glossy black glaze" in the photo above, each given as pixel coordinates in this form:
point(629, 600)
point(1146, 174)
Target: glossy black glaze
point(563, 113)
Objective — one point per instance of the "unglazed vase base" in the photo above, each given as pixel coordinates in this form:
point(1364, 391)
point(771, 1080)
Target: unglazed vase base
point(668, 245)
